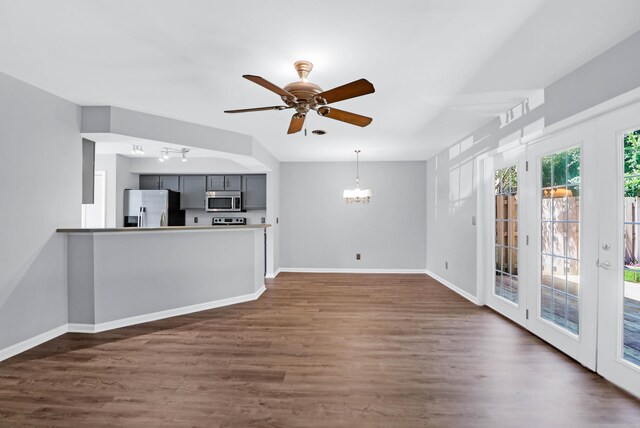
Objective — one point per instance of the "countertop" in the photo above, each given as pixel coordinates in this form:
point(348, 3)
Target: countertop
point(161, 229)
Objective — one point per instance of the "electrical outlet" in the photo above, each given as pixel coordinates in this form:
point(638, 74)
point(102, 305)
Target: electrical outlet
point(195, 219)
point(357, 256)
point(262, 220)
point(446, 265)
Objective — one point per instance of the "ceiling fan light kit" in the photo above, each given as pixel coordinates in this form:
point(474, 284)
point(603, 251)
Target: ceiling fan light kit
point(304, 96)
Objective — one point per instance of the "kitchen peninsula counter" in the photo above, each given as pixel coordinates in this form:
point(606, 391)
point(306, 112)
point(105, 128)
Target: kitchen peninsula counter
point(124, 276)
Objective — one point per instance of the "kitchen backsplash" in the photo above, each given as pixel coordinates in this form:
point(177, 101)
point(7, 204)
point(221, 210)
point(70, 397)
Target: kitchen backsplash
point(205, 218)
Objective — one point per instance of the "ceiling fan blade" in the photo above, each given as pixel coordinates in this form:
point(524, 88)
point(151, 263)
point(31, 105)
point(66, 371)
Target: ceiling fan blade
point(296, 123)
point(245, 110)
point(344, 116)
point(344, 92)
point(268, 85)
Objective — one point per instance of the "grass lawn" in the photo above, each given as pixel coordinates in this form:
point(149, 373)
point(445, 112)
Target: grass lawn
point(631, 275)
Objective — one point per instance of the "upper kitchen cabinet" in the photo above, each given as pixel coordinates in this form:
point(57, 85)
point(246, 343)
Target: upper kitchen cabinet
point(255, 192)
point(193, 190)
point(224, 182)
point(160, 182)
point(149, 182)
point(170, 182)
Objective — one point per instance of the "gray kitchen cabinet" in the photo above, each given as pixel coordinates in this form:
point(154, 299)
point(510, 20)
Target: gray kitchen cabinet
point(224, 182)
point(215, 182)
point(193, 190)
point(169, 182)
point(149, 182)
point(233, 182)
point(160, 182)
point(255, 192)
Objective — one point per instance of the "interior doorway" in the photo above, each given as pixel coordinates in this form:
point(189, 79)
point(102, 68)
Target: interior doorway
point(94, 215)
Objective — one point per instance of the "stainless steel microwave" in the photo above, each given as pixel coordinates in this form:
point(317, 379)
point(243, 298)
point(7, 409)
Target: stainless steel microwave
point(223, 201)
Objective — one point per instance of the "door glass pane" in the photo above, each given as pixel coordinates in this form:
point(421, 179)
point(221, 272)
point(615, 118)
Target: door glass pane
point(547, 267)
point(559, 169)
point(573, 240)
point(573, 203)
point(546, 205)
point(546, 237)
point(559, 203)
point(573, 166)
point(631, 253)
point(506, 241)
point(560, 239)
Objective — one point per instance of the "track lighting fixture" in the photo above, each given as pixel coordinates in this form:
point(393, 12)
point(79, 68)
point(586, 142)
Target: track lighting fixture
point(164, 153)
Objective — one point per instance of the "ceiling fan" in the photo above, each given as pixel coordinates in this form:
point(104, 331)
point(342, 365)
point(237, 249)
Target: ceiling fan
point(303, 96)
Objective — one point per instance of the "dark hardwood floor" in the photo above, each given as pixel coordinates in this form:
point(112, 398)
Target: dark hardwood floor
point(319, 350)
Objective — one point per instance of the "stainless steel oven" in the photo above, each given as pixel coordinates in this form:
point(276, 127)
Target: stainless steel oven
point(223, 201)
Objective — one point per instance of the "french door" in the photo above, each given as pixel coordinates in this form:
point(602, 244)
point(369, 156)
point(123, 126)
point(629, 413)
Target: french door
point(569, 206)
point(562, 227)
point(506, 210)
point(619, 248)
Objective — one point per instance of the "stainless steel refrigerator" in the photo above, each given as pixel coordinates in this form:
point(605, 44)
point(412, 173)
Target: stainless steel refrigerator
point(152, 208)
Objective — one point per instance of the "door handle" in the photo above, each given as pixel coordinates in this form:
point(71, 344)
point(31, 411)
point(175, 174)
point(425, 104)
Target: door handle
point(604, 265)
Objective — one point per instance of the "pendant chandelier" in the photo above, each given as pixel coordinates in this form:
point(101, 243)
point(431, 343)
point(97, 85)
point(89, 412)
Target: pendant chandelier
point(357, 195)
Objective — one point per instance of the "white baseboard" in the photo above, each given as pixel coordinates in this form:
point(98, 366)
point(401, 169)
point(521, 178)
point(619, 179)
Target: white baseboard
point(470, 297)
point(272, 275)
point(25, 345)
point(340, 270)
point(32, 342)
point(154, 316)
point(80, 328)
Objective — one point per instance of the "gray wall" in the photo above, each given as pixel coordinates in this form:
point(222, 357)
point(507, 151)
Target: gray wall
point(319, 230)
point(451, 181)
point(40, 157)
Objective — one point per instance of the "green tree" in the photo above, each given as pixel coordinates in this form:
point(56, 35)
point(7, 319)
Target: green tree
point(632, 164)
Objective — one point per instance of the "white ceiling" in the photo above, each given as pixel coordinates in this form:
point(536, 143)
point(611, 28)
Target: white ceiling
point(441, 68)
